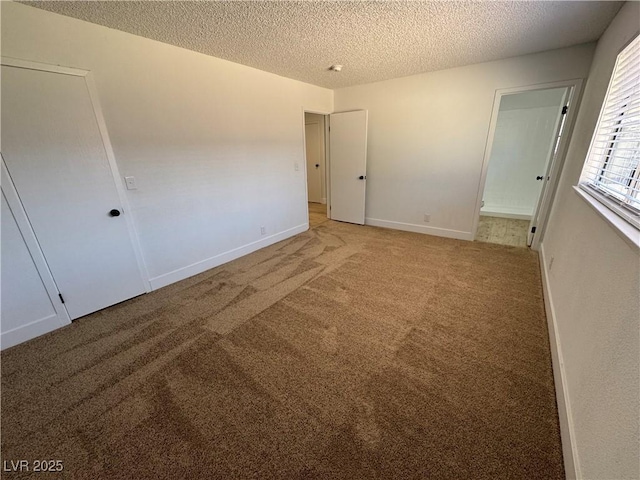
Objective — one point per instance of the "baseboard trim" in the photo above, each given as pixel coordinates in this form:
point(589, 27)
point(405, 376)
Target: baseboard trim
point(496, 210)
point(204, 265)
point(567, 433)
point(30, 330)
point(515, 216)
point(412, 227)
point(323, 201)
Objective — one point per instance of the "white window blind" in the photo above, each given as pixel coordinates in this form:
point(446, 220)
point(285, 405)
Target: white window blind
point(612, 170)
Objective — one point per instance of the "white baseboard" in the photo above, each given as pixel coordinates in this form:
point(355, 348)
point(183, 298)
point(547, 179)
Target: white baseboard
point(516, 216)
point(323, 201)
point(204, 265)
point(411, 227)
point(569, 447)
point(31, 330)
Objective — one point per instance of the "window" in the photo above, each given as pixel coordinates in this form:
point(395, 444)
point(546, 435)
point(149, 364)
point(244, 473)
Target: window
point(612, 170)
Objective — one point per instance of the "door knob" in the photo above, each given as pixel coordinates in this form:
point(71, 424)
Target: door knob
point(362, 177)
point(539, 178)
point(114, 213)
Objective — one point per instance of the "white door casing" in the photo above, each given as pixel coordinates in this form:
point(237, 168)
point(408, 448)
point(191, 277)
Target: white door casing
point(313, 139)
point(55, 154)
point(348, 157)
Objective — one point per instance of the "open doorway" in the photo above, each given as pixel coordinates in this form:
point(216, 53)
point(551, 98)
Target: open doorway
point(336, 166)
point(527, 134)
point(316, 167)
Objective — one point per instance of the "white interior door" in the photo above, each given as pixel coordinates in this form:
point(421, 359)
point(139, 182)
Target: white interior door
point(348, 157)
point(56, 158)
point(313, 139)
point(555, 141)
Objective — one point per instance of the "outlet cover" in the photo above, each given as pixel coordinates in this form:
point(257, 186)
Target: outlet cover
point(427, 217)
point(263, 230)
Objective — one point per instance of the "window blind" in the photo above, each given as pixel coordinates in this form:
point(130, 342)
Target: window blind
point(612, 168)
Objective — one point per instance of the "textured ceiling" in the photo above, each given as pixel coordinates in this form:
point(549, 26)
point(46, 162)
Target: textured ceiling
point(373, 40)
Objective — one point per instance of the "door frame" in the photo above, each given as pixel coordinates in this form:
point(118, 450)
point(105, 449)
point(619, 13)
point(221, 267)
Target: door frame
point(327, 165)
point(104, 134)
point(555, 169)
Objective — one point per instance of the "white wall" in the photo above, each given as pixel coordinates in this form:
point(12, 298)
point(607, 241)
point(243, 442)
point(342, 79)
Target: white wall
point(594, 285)
point(212, 144)
point(549, 97)
point(522, 145)
point(427, 135)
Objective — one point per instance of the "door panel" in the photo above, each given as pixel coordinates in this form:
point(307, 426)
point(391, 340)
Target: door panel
point(535, 218)
point(23, 292)
point(348, 156)
point(56, 158)
point(314, 161)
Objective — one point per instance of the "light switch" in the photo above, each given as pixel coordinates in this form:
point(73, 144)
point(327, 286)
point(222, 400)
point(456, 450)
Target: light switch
point(131, 183)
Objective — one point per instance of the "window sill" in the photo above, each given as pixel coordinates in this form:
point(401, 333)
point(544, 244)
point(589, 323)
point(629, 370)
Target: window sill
point(624, 229)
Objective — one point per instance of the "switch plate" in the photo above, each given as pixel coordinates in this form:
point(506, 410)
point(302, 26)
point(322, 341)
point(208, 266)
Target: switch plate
point(131, 183)
point(296, 166)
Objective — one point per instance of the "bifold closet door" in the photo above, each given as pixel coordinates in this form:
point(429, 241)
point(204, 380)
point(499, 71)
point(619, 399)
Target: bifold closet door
point(56, 158)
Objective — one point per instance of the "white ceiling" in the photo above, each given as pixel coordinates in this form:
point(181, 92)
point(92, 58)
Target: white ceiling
point(373, 40)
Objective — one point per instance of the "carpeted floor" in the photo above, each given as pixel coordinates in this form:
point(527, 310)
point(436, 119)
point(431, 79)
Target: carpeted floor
point(344, 352)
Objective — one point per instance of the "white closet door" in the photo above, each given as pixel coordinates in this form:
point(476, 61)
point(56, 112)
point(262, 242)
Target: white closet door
point(348, 143)
point(56, 158)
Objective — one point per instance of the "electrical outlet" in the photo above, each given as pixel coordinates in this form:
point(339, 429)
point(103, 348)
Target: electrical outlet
point(551, 262)
point(427, 217)
point(263, 230)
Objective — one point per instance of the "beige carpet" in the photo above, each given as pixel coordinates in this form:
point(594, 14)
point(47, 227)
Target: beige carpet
point(344, 352)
